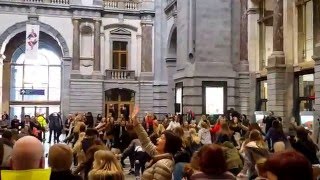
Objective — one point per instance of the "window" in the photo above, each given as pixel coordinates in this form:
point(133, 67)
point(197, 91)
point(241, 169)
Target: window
point(265, 32)
point(42, 74)
point(178, 98)
point(119, 55)
point(262, 95)
point(214, 98)
point(305, 31)
point(304, 97)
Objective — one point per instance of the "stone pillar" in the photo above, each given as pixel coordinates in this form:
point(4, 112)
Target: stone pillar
point(76, 45)
point(97, 47)
point(2, 58)
point(253, 49)
point(316, 58)
point(276, 64)
point(244, 81)
point(147, 44)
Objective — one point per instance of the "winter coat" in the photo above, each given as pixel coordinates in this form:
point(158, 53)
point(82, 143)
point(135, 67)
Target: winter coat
point(59, 175)
point(232, 156)
point(42, 121)
point(162, 164)
point(205, 136)
point(55, 122)
point(254, 154)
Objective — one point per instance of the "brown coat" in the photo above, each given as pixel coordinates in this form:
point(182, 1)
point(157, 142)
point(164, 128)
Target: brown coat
point(162, 165)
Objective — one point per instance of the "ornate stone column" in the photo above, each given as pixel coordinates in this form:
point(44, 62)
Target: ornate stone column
point(76, 45)
point(316, 58)
point(244, 81)
point(97, 47)
point(147, 44)
point(276, 64)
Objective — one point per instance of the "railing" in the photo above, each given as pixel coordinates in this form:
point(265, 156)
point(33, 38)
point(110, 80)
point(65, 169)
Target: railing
point(117, 74)
point(60, 1)
point(49, 1)
point(126, 5)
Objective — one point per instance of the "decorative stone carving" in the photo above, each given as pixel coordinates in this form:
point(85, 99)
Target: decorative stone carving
point(119, 25)
point(278, 25)
point(120, 31)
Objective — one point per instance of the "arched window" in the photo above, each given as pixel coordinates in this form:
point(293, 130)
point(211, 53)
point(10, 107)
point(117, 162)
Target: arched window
point(43, 74)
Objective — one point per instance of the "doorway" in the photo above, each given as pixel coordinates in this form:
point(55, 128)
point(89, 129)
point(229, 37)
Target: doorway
point(119, 103)
point(21, 110)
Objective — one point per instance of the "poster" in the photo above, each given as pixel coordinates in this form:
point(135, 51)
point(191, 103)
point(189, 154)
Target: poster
point(32, 41)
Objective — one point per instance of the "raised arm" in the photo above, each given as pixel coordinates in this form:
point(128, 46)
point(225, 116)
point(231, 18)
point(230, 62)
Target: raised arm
point(142, 134)
point(145, 140)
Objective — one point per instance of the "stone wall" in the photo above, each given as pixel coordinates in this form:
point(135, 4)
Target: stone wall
point(86, 95)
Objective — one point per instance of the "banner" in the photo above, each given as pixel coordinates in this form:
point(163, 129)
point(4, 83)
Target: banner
point(32, 41)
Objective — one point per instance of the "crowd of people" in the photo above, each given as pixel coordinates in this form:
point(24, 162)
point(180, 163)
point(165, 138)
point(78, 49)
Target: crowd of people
point(176, 147)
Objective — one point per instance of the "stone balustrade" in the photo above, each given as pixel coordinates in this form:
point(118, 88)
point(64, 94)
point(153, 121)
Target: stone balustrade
point(125, 5)
point(117, 74)
point(48, 1)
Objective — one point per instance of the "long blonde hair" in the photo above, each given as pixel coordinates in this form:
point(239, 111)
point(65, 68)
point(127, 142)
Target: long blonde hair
point(194, 136)
point(105, 166)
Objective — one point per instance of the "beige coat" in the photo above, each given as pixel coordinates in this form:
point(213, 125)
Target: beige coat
point(163, 164)
point(77, 149)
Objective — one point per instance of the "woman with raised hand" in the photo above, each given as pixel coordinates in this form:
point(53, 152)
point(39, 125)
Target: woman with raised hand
point(162, 164)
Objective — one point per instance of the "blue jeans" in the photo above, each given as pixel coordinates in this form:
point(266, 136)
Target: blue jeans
point(178, 170)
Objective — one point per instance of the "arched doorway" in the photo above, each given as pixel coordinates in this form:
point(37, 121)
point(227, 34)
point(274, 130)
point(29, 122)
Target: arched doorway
point(119, 103)
point(32, 85)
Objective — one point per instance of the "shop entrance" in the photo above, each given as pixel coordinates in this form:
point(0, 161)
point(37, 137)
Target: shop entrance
point(119, 103)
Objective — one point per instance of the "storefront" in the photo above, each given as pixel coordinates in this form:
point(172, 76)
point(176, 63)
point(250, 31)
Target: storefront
point(304, 97)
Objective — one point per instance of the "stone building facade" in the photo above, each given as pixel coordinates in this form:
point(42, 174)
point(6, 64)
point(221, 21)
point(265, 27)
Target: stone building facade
point(104, 47)
point(283, 42)
point(167, 56)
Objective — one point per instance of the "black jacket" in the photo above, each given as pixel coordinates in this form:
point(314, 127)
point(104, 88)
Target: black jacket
point(61, 175)
point(55, 122)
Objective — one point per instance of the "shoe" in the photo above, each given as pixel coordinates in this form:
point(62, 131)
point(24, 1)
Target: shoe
point(138, 178)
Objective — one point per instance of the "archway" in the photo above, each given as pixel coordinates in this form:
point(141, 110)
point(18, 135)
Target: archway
point(172, 45)
point(171, 61)
point(32, 86)
point(119, 103)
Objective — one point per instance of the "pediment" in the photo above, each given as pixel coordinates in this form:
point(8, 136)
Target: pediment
point(120, 31)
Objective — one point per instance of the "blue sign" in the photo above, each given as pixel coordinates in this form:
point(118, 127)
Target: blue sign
point(31, 91)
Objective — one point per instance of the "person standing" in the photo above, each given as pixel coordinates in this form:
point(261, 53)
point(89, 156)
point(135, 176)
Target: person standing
point(55, 126)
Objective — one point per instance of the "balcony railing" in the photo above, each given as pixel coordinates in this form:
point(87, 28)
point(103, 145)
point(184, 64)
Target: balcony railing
point(126, 5)
point(117, 74)
point(49, 1)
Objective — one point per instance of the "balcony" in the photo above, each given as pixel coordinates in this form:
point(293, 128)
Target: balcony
point(122, 5)
point(47, 1)
point(118, 74)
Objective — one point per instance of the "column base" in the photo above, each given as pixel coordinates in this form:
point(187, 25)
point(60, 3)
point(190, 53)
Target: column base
point(75, 72)
point(276, 59)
